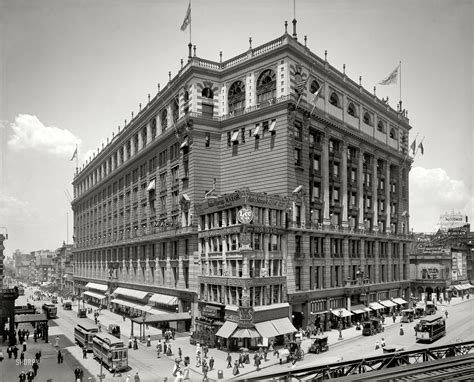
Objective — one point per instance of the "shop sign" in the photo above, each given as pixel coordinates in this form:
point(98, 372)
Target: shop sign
point(245, 215)
point(210, 311)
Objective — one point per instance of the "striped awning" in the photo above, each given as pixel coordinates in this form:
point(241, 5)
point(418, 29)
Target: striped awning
point(376, 306)
point(342, 311)
point(163, 299)
point(246, 333)
point(388, 303)
point(227, 329)
point(399, 301)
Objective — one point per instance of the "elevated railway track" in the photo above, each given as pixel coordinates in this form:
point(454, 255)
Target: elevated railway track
point(447, 362)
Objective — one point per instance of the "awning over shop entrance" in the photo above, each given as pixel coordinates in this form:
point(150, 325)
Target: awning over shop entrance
point(163, 299)
point(126, 303)
point(94, 295)
point(358, 309)
point(246, 333)
point(130, 293)
point(283, 326)
point(458, 287)
point(376, 306)
point(227, 329)
point(341, 311)
point(266, 329)
point(95, 286)
point(399, 301)
point(466, 286)
point(388, 303)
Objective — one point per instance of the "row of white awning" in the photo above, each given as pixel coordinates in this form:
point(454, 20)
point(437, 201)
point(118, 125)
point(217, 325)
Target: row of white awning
point(267, 329)
point(360, 309)
point(463, 286)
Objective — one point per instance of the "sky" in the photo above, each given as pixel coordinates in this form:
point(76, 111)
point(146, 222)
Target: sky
point(71, 72)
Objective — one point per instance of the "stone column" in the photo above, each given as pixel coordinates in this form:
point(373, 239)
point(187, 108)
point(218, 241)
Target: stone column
point(375, 216)
point(345, 206)
point(387, 198)
point(360, 188)
point(325, 169)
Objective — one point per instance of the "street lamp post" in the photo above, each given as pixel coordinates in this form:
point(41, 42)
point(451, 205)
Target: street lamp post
point(340, 325)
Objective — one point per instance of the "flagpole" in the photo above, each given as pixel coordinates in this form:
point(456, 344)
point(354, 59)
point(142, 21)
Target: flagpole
point(190, 22)
point(77, 160)
point(400, 85)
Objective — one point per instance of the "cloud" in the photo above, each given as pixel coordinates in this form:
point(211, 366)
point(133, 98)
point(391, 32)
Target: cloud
point(30, 133)
point(433, 193)
point(14, 210)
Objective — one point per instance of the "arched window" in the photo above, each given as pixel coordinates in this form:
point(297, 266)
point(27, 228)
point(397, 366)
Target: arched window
point(236, 99)
point(207, 102)
point(164, 119)
point(381, 126)
point(334, 99)
point(314, 86)
point(393, 134)
point(207, 93)
point(351, 110)
point(186, 102)
point(367, 120)
point(175, 109)
point(266, 86)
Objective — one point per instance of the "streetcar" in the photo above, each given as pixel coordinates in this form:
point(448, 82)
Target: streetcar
point(50, 310)
point(84, 333)
point(111, 351)
point(430, 329)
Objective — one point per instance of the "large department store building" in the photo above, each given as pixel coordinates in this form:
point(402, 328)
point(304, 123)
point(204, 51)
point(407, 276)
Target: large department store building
point(238, 197)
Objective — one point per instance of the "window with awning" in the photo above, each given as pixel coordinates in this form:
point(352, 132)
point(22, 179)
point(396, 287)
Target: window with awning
point(151, 185)
point(235, 136)
point(272, 126)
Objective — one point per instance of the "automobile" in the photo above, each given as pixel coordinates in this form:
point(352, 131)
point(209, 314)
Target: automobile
point(67, 305)
point(372, 326)
point(393, 348)
point(114, 330)
point(408, 315)
point(430, 308)
point(319, 344)
point(82, 313)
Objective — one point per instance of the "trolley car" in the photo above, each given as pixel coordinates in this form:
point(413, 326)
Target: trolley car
point(84, 334)
point(50, 310)
point(430, 329)
point(111, 351)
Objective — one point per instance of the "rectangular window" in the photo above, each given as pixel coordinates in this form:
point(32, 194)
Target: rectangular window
point(298, 278)
point(242, 132)
point(297, 155)
point(229, 137)
point(208, 140)
point(207, 110)
point(316, 163)
point(316, 190)
point(235, 137)
point(298, 132)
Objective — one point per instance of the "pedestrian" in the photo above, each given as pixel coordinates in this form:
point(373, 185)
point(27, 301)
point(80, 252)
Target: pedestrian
point(211, 363)
point(148, 341)
point(173, 333)
point(180, 353)
point(446, 314)
point(205, 369)
point(255, 358)
point(265, 352)
point(59, 356)
point(15, 352)
point(37, 357)
point(27, 334)
point(168, 350)
point(158, 348)
point(9, 352)
point(401, 330)
point(130, 343)
point(136, 378)
point(99, 326)
point(135, 343)
point(257, 363)
point(22, 376)
point(24, 345)
point(35, 336)
point(165, 347)
point(229, 360)
point(56, 343)
point(179, 376)
point(30, 375)
point(84, 353)
point(198, 360)
point(235, 370)
point(382, 342)
point(205, 349)
point(393, 317)
point(377, 345)
point(241, 360)
point(176, 368)
point(22, 358)
point(35, 367)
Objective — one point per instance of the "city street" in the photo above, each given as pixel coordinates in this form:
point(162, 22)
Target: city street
point(144, 360)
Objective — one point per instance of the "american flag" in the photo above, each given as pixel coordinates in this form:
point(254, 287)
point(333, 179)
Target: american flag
point(301, 85)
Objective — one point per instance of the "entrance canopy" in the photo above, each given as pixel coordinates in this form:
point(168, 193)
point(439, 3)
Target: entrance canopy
point(94, 295)
point(227, 329)
point(96, 286)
